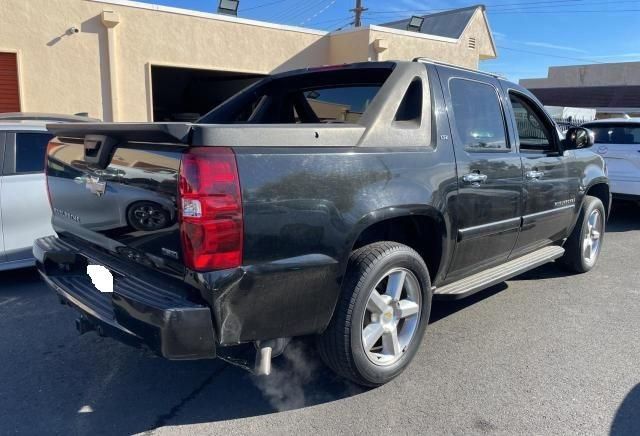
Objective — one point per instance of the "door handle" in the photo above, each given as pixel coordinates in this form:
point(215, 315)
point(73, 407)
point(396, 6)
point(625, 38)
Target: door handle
point(534, 175)
point(474, 179)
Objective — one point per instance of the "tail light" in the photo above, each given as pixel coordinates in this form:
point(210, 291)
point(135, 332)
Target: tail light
point(211, 226)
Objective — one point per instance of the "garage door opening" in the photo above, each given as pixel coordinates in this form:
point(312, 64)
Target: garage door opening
point(183, 94)
point(9, 87)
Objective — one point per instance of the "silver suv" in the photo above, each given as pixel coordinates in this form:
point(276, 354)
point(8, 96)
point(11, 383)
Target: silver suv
point(25, 214)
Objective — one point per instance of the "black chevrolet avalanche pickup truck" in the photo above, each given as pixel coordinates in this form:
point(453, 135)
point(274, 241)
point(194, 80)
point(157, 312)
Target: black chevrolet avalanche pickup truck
point(334, 202)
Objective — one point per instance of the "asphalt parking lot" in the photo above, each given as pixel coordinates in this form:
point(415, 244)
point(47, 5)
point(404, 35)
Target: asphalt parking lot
point(546, 353)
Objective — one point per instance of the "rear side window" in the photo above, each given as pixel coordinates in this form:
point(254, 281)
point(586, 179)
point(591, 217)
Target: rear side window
point(616, 134)
point(30, 152)
point(318, 96)
point(478, 115)
point(339, 105)
point(411, 106)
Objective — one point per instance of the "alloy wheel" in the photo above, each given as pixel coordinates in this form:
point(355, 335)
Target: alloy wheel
point(593, 237)
point(391, 317)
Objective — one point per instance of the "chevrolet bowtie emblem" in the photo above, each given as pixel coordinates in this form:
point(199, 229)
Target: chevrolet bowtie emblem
point(96, 186)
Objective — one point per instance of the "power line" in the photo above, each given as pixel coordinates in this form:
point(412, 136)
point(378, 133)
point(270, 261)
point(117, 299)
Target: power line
point(488, 5)
point(565, 4)
point(600, 11)
point(550, 55)
point(294, 13)
point(320, 12)
point(529, 3)
point(520, 10)
point(350, 23)
point(505, 7)
point(334, 20)
point(263, 5)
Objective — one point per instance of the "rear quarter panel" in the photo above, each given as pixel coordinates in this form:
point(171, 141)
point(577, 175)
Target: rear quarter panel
point(298, 202)
point(304, 209)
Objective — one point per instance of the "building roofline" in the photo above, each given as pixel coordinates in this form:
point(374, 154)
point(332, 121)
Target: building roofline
point(268, 25)
point(600, 65)
point(391, 30)
point(209, 16)
point(436, 14)
point(477, 7)
point(483, 10)
point(491, 38)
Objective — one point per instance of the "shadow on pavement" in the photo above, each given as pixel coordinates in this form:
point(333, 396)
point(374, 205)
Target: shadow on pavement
point(627, 419)
point(443, 309)
point(547, 271)
point(625, 217)
point(88, 384)
point(54, 381)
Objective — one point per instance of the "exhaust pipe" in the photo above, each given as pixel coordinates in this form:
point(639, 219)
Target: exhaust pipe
point(263, 361)
point(265, 351)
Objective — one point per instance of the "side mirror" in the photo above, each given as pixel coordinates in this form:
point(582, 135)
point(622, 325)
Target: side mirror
point(579, 137)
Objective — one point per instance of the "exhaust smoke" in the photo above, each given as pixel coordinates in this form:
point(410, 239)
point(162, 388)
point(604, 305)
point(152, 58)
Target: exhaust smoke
point(284, 388)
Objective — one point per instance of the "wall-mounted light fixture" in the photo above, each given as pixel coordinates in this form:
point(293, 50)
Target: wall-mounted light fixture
point(415, 24)
point(229, 7)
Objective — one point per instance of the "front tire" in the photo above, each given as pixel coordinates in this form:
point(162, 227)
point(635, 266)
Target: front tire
point(583, 247)
point(381, 315)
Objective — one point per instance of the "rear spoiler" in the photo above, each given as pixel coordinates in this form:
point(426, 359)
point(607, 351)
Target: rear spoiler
point(101, 138)
point(134, 132)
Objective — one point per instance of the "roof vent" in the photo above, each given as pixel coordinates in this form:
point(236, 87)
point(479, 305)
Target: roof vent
point(472, 43)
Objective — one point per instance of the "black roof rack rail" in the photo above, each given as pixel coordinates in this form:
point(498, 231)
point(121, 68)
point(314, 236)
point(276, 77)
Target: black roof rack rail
point(425, 60)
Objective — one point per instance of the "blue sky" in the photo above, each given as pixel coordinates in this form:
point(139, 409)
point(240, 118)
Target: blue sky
point(531, 35)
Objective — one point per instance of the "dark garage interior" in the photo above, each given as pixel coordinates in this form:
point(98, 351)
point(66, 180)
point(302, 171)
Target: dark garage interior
point(185, 94)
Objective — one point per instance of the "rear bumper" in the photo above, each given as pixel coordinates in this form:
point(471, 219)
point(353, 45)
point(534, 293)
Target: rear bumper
point(137, 312)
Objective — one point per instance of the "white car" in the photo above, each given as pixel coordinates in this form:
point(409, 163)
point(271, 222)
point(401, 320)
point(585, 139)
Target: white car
point(25, 214)
point(618, 142)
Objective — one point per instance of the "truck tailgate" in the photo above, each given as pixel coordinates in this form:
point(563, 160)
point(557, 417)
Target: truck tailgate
point(124, 199)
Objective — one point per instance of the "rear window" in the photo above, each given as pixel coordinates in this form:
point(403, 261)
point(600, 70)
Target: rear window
point(330, 96)
point(616, 134)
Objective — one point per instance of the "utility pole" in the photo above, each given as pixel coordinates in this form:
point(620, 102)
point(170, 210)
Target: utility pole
point(358, 13)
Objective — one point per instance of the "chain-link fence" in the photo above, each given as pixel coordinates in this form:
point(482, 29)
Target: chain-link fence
point(566, 123)
point(529, 128)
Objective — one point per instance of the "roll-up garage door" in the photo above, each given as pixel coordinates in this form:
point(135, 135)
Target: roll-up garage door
point(9, 89)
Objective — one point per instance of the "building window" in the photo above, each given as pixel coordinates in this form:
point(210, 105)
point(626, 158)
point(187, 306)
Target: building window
point(472, 43)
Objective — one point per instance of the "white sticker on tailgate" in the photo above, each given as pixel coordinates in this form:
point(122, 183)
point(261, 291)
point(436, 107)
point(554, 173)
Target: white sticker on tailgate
point(101, 277)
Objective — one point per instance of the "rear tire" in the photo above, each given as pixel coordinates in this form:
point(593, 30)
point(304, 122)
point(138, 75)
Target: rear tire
point(583, 247)
point(381, 316)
